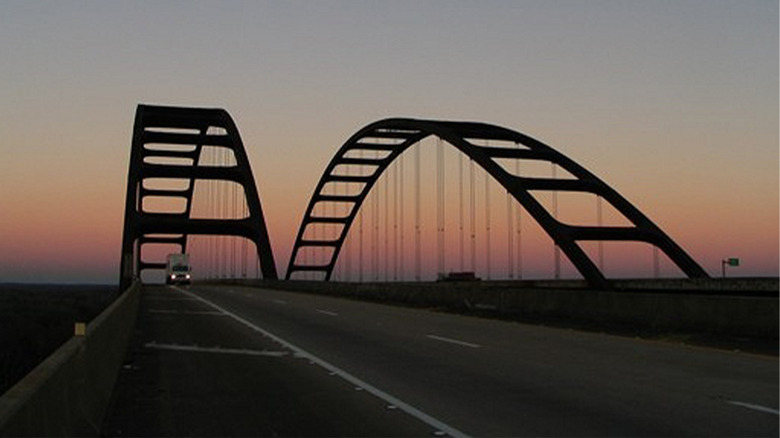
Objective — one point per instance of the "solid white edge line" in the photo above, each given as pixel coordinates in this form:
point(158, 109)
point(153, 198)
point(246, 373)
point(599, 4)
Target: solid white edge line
point(754, 407)
point(453, 341)
point(422, 416)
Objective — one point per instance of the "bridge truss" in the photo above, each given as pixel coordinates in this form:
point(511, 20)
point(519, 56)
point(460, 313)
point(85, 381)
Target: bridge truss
point(377, 145)
point(168, 145)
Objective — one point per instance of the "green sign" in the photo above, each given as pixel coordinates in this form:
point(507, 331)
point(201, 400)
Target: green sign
point(733, 262)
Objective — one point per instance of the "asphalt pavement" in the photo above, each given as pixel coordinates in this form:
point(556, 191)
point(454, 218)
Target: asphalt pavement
point(195, 371)
point(317, 366)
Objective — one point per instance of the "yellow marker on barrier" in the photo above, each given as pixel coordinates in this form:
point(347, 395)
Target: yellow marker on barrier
point(80, 329)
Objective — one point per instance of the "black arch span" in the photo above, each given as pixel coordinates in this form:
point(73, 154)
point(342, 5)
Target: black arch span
point(463, 136)
point(185, 126)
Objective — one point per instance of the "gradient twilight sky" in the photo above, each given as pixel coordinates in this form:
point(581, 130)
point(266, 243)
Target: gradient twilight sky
point(672, 103)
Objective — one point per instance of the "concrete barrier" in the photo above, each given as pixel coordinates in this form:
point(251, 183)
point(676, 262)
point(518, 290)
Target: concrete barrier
point(68, 393)
point(746, 307)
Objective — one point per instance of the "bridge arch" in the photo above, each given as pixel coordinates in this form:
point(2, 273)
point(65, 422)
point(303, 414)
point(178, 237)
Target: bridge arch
point(393, 136)
point(168, 144)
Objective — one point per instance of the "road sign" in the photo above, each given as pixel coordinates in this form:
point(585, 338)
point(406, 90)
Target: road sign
point(731, 261)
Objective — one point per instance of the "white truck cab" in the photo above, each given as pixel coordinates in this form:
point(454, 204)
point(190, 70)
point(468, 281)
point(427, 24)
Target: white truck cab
point(177, 269)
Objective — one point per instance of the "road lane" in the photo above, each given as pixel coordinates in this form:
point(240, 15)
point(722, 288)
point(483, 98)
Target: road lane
point(195, 371)
point(360, 385)
point(522, 380)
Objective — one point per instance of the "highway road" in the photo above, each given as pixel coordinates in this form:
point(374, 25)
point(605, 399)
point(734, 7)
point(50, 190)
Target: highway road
point(434, 373)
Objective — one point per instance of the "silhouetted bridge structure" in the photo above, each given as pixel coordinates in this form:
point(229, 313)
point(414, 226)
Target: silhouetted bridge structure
point(172, 147)
point(235, 355)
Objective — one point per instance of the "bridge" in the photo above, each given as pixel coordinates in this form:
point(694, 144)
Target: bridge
point(242, 352)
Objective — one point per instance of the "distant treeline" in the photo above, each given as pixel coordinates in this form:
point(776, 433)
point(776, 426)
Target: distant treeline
point(36, 319)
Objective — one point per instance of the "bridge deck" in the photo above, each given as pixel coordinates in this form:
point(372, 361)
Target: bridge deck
point(192, 371)
point(230, 360)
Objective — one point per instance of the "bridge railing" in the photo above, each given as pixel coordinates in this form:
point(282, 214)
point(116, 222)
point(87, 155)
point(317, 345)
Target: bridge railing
point(68, 393)
point(734, 307)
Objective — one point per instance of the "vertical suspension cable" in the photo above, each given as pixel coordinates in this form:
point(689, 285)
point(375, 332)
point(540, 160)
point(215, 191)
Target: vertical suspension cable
point(461, 252)
point(360, 246)
point(245, 244)
point(510, 234)
point(209, 214)
point(233, 207)
point(225, 215)
point(346, 240)
point(487, 225)
point(317, 249)
point(386, 257)
point(375, 235)
point(213, 214)
point(224, 206)
point(417, 272)
point(327, 233)
point(360, 235)
point(473, 216)
point(225, 239)
point(220, 202)
point(218, 205)
point(330, 211)
point(395, 222)
point(557, 249)
point(519, 227)
point(303, 252)
point(228, 239)
point(215, 152)
point(401, 256)
point(600, 222)
point(656, 263)
point(207, 241)
point(440, 207)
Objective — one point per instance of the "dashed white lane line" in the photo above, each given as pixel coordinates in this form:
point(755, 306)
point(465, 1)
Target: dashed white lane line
point(279, 301)
point(453, 341)
point(218, 350)
point(186, 312)
point(411, 410)
point(754, 407)
point(169, 299)
point(327, 312)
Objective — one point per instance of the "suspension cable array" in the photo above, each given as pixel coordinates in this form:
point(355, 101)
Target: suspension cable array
point(219, 256)
point(373, 150)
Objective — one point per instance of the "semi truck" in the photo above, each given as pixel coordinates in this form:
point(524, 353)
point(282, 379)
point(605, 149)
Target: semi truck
point(177, 269)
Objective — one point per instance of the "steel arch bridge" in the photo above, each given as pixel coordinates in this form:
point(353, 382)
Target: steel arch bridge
point(180, 134)
point(394, 136)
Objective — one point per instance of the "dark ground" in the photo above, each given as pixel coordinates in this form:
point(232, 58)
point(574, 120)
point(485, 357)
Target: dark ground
point(35, 319)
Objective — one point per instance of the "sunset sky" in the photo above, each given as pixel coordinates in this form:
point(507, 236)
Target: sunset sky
point(672, 103)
